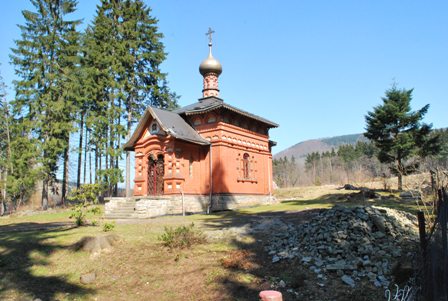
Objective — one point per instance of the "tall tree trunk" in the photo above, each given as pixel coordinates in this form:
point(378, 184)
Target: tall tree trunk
point(81, 134)
point(111, 150)
point(128, 157)
point(117, 146)
point(400, 171)
point(45, 193)
point(2, 203)
point(96, 164)
point(65, 174)
point(90, 167)
point(85, 158)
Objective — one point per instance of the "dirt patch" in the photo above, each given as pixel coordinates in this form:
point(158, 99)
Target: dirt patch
point(238, 259)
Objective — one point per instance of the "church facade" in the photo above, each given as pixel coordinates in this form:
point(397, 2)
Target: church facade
point(212, 154)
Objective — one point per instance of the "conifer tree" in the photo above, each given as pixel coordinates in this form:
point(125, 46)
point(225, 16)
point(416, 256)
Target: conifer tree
point(399, 133)
point(44, 58)
point(125, 47)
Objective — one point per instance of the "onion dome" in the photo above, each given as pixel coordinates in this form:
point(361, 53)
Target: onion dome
point(210, 64)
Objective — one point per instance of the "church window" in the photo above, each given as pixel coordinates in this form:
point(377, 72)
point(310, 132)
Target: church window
point(246, 166)
point(197, 121)
point(211, 119)
point(154, 128)
point(190, 167)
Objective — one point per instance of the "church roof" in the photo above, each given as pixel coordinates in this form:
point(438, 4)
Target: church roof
point(208, 104)
point(171, 123)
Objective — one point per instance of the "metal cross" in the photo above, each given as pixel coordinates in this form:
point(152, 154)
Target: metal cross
point(209, 34)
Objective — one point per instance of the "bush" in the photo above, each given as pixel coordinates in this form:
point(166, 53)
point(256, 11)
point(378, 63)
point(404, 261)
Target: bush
point(84, 197)
point(108, 226)
point(181, 237)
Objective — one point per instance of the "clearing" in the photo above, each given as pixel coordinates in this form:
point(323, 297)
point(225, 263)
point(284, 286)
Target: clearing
point(37, 258)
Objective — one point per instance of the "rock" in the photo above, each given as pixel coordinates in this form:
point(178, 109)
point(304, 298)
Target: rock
point(350, 187)
point(282, 283)
point(348, 280)
point(358, 242)
point(379, 222)
point(88, 278)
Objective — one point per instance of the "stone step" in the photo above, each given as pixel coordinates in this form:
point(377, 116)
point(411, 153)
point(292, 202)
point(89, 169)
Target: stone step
point(119, 216)
point(122, 212)
point(125, 207)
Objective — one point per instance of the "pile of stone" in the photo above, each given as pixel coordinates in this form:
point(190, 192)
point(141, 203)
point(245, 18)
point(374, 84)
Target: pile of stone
point(351, 243)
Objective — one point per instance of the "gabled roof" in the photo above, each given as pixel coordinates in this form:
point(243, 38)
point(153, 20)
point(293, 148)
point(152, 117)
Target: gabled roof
point(171, 123)
point(208, 104)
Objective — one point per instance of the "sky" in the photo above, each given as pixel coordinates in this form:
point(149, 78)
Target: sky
point(314, 67)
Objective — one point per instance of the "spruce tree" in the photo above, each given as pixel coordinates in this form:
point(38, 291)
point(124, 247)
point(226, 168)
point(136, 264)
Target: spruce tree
point(399, 133)
point(125, 47)
point(44, 58)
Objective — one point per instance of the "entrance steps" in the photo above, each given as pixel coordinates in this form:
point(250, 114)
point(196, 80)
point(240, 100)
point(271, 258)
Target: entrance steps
point(120, 208)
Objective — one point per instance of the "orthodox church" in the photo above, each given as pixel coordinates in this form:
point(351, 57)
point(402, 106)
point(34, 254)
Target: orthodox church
point(214, 155)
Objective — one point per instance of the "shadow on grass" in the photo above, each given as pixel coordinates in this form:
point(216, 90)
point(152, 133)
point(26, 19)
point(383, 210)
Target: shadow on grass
point(19, 252)
point(293, 272)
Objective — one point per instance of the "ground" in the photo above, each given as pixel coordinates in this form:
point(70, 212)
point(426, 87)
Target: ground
point(37, 259)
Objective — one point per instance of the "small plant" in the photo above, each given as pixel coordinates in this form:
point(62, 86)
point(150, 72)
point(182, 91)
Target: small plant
point(108, 226)
point(84, 197)
point(181, 237)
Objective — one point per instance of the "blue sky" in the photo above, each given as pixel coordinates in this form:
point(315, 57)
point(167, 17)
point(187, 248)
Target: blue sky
point(314, 67)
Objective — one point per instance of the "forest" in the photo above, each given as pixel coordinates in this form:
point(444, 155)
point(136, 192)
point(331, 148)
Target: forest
point(94, 83)
point(349, 163)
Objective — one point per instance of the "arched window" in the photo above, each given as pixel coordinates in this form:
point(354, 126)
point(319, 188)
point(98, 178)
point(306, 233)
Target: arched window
point(154, 128)
point(197, 121)
point(190, 167)
point(211, 118)
point(246, 166)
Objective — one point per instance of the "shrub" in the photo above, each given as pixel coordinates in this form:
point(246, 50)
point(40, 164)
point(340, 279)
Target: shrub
point(181, 237)
point(108, 226)
point(84, 197)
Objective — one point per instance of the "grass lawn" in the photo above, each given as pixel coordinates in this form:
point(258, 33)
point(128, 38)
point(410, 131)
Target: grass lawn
point(42, 264)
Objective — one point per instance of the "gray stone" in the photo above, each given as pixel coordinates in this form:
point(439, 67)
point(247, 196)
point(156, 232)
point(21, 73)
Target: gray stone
point(88, 278)
point(348, 280)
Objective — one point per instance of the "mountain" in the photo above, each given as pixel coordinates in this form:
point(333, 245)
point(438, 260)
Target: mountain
point(301, 149)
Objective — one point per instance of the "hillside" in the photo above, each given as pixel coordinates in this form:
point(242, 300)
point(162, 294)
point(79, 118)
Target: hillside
point(301, 149)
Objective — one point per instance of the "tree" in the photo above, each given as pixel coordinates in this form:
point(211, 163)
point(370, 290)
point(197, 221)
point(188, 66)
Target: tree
point(44, 58)
point(125, 47)
point(399, 133)
point(5, 145)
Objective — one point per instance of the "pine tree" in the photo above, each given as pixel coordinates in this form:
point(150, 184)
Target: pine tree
point(44, 58)
point(399, 134)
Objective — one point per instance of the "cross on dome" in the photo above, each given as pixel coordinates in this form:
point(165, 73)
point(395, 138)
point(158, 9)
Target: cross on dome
point(209, 34)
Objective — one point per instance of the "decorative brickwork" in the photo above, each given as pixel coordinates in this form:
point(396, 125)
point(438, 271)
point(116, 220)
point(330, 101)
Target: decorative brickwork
point(210, 85)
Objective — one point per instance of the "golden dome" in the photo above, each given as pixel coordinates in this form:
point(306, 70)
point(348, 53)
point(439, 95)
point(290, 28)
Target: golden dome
point(210, 64)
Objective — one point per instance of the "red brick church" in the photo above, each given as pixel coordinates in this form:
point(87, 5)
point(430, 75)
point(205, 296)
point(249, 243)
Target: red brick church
point(215, 155)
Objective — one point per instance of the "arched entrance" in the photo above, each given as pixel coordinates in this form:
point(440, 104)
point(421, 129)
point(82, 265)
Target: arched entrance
point(155, 175)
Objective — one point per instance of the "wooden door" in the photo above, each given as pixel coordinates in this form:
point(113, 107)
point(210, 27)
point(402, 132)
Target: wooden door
point(156, 172)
